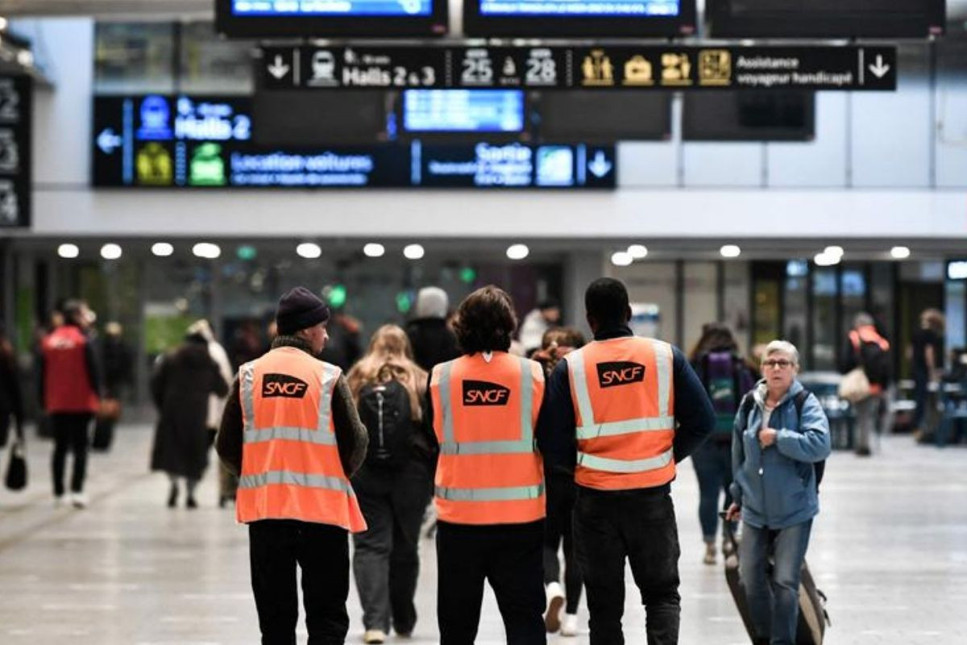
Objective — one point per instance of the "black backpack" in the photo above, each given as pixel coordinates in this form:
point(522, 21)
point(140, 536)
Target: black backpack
point(384, 408)
point(876, 363)
point(799, 401)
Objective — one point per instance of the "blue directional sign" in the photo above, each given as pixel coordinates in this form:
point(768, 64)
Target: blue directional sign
point(312, 8)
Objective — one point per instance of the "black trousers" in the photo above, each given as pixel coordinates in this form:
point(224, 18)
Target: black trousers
point(70, 435)
point(640, 526)
point(386, 561)
point(509, 557)
point(561, 495)
point(322, 552)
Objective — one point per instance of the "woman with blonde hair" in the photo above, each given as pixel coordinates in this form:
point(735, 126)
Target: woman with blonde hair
point(393, 486)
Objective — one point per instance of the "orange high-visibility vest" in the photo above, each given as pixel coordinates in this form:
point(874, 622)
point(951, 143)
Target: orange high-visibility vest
point(290, 460)
point(624, 404)
point(484, 413)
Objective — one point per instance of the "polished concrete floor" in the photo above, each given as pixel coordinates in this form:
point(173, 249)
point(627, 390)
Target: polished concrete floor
point(890, 551)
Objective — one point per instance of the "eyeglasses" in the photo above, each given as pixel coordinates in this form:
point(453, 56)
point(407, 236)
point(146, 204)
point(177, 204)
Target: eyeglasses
point(780, 363)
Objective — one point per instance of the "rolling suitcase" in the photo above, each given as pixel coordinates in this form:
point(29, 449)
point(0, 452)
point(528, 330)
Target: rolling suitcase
point(813, 618)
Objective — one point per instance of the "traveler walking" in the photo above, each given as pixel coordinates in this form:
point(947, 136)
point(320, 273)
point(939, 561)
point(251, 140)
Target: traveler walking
point(11, 394)
point(547, 315)
point(489, 490)
point(638, 409)
point(181, 385)
point(432, 339)
point(393, 485)
point(726, 378)
point(291, 430)
point(71, 391)
point(866, 349)
point(928, 363)
point(775, 491)
point(561, 493)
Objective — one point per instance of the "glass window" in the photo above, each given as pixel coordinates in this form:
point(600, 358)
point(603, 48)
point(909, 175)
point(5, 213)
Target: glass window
point(853, 289)
point(796, 316)
point(134, 57)
point(736, 304)
point(700, 300)
point(826, 340)
point(211, 65)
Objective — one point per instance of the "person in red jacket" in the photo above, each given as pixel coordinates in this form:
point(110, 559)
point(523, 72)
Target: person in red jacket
point(71, 395)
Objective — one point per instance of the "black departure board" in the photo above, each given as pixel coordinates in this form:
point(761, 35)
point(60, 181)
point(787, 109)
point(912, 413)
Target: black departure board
point(15, 142)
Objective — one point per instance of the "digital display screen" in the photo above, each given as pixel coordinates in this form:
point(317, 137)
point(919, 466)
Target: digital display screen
point(332, 7)
point(579, 7)
point(331, 18)
point(463, 110)
point(192, 142)
point(579, 18)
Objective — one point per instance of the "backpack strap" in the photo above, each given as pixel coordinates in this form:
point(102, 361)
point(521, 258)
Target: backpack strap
point(819, 466)
point(745, 407)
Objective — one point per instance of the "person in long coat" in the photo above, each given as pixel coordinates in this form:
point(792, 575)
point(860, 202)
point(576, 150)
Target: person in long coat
point(180, 387)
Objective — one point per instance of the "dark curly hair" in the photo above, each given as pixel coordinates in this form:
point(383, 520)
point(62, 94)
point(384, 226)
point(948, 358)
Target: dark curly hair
point(485, 321)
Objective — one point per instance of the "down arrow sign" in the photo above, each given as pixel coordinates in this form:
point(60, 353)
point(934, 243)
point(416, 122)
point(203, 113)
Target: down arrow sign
point(879, 69)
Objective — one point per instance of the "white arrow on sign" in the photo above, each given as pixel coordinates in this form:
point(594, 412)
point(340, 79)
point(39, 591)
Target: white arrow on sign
point(879, 69)
point(600, 166)
point(278, 69)
point(108, 142)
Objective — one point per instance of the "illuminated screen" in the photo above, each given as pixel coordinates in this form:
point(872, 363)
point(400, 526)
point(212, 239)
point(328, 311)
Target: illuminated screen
point(463, 110)
point(575, 8)
point(314, 8)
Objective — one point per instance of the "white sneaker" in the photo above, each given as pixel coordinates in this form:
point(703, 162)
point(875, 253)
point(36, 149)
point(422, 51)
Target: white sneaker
point(569, 626)
point(79, 500)
point(555, 600)
point(374, 636)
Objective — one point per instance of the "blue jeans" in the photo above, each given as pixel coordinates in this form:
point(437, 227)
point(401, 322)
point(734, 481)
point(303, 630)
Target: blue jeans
point(713, 466)
point(773, 593)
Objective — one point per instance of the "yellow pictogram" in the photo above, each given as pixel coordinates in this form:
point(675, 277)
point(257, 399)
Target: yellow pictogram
point(714, 67)
point(597, 69)
point(155, 167)
point(676, 69)
point(638, 71)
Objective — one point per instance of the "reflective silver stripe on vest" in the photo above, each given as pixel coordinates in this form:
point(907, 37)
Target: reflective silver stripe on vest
point(507, 494)
point(622, 466)
point(290, 478)
point(445, 403)
point(319, 436)
point(330, 374)
point(246, 382)
point(525, 445)
point(663, 363)
point(615, 428)
point(591, 430)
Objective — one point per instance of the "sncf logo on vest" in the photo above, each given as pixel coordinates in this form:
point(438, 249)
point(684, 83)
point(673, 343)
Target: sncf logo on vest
point(290, 387)
point(620, 373)
point(484, 393)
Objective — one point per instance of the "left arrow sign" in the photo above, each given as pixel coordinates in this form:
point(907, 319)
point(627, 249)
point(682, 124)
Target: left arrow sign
point(108, 142)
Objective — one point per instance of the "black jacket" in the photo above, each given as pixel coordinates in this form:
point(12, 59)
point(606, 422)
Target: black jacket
point(433, 342)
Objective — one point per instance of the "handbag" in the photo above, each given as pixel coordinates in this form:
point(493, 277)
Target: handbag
point(855, 386)
point(16, 478)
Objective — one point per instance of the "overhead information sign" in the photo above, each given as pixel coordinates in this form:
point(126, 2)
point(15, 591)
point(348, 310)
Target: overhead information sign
point(15, 172)
point(579, 18)
point(669, 67)
point(332, 7)
point(192, 142)
point(463, 110)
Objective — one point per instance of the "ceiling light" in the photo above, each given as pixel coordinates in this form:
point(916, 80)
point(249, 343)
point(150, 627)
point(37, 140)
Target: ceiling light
point(834, 251)
point(730, 251)
point(309, 250)
point(374, 250)
point(162, 249)
point(517, 251)
point(111, 251)
point(3, 24)
point(826, 260)
point(621, 259)
point(638, 251)
point(206, 250)
point(413, 252)
point(900, 252)
point(68, 251)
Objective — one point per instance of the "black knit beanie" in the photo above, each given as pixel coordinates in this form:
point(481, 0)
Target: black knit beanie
point(300, 309)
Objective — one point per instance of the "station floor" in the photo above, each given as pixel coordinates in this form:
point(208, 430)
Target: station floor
point(889, 550)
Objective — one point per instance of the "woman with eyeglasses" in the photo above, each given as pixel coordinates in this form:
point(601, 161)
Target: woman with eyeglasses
point(774, 449)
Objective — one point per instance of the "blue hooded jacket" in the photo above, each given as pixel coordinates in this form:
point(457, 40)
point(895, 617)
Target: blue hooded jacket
point(776, 486)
